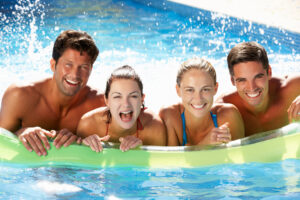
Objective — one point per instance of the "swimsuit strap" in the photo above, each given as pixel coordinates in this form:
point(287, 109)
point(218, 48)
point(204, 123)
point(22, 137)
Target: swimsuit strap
point(214, 118)
point(184, 137)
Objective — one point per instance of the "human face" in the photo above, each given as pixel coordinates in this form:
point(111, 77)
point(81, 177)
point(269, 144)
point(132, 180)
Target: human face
point(252, 82)
point(71, 71)
point(125, 101)
point(197, 92)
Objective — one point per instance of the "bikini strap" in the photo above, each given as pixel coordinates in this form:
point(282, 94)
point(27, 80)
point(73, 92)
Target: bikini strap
point(184, 137)
point(139, 127)
point(107, 126)
point(214, 118)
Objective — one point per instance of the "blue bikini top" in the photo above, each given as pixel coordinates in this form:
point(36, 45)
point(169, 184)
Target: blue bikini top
point(213, 116)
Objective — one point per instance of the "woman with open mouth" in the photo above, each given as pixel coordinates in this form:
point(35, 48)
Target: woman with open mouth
point(197, 120)
point(124, 119)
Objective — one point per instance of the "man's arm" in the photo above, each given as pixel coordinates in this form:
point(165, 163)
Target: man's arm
point(10, 118)
point(14, 103)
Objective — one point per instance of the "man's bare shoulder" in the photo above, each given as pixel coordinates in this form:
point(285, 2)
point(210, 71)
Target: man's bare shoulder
point(292, 81)
point(224, 109)
point(229, 97)
point(94, 97)
point(24, 93)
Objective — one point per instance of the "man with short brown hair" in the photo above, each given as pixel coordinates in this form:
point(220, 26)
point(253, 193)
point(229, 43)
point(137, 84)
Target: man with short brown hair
point(265, 102)
point(54, 106)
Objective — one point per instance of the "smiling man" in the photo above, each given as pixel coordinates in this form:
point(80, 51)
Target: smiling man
point(54, 106)
point(265, 102)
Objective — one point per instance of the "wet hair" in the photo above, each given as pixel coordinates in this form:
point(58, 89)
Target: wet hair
point(124, 72)
point(77, 40)
point(196, 63)
point(245, 52)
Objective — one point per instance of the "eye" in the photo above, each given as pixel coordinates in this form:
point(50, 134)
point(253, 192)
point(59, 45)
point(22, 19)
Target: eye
point(69, 64)
point(189, 90)
point(260, 76)
point(116, 97)
point(134, 96)
point(206, 89)
point(240, 80)
point(85, 68)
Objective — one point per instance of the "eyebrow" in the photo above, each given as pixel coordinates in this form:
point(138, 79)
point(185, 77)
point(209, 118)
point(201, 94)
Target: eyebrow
point(119, 93)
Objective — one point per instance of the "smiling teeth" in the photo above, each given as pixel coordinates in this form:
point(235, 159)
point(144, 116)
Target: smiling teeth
point(72, 82)
point(253, 95)
point(127, 112)
point(198, 107)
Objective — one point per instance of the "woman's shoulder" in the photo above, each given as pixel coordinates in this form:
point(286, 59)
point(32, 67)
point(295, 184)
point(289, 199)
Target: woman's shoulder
point(92, 120)
point(171, 111)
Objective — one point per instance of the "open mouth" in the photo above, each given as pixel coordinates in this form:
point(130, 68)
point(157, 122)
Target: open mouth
point(253, 95)
point(198, 107)
point(72, 83)
point(126, 116)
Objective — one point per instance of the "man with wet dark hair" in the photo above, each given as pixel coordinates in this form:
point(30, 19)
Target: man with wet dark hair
point(265, 102)
point(54, 106)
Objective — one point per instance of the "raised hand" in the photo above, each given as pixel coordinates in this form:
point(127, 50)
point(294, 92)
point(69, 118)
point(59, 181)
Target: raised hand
point(218, 135)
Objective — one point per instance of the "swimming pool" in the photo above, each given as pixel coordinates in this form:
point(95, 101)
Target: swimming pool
point(154, 41)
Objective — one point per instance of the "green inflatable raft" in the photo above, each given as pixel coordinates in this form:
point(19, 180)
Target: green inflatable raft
point(271, 146)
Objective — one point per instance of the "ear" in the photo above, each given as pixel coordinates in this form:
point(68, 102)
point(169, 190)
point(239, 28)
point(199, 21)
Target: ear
point(178, 90)
point(143, 98)
point(52, 64)
point(106, 101)
point(216, 88)
point(270, 72)
point(232, 80)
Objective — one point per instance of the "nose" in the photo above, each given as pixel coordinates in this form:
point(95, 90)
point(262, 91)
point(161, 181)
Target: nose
point(126, 102)
point(198, 96)
point(251, 85)
point(75, 72)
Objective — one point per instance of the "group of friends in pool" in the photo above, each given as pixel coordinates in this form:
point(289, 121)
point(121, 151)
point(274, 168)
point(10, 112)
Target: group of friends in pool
point(67, 110)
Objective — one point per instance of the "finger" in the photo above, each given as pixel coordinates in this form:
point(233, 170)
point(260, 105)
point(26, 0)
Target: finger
point(134, 143)
point(86, 142)
point(50, 134)
point(95, 141)
point(33, 144)
point(296, 113)
point(79, 140)
point(70, 140)
point(123, 143)
point(62, 137)
point(223, 137)
point(90, 139)
point(53, 132)
point(99, 140)
point(106, 138)
point(24, 141)
point(224, 126)
point(37, 138)
point(290, 112)
point(44, 139)
point(58, 137)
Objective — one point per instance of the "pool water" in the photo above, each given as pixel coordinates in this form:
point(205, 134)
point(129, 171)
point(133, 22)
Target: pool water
point(248, 181)
point(154, 41)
